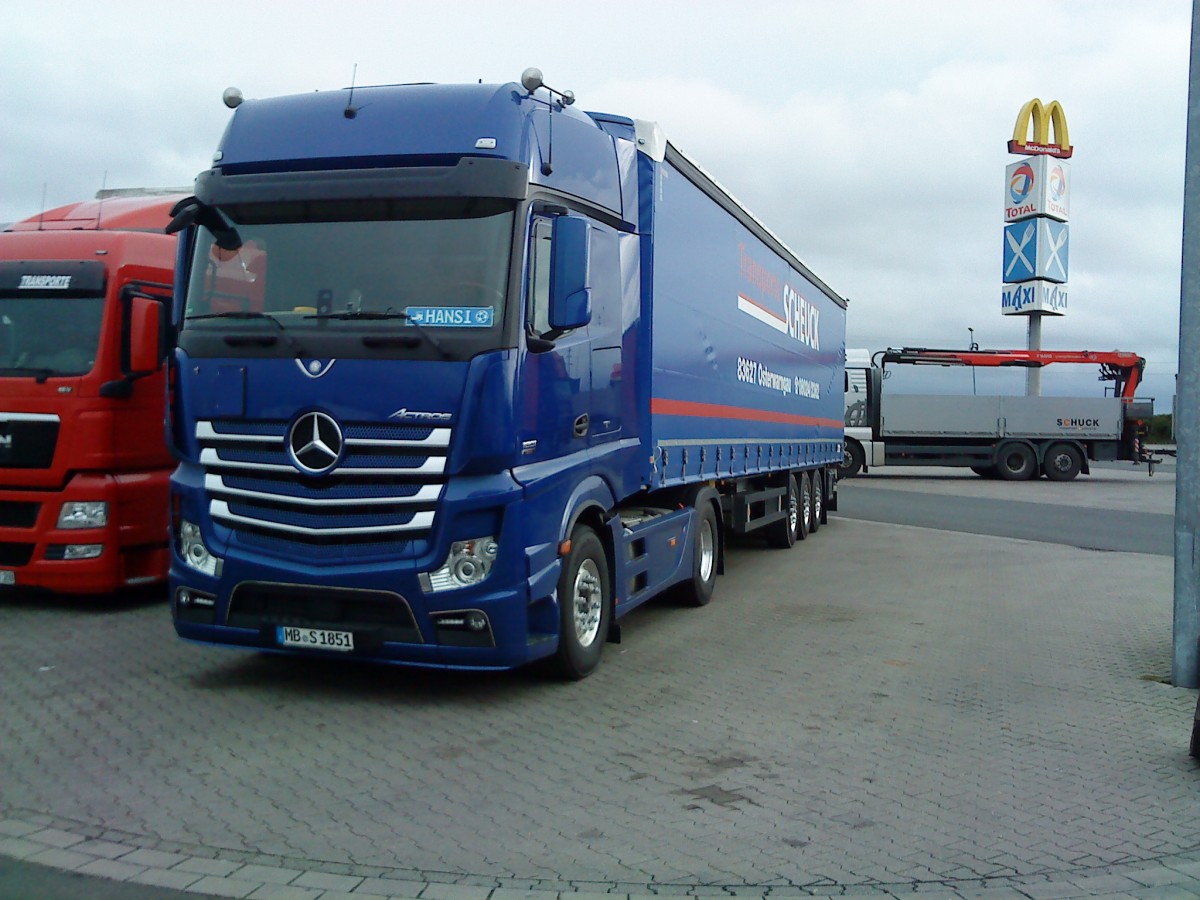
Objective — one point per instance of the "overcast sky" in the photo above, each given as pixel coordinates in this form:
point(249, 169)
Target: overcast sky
point(870, 136)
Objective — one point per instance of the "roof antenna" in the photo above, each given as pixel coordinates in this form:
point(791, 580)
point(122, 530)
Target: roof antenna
point(101, 195)
point(531, 80)
point(350, 112)
point(42, 214)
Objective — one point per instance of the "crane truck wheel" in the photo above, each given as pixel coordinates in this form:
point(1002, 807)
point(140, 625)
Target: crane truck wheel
point(698, 590)
point(782, 532)
point(1016, 462)
point(1063, 462)
point(853, 460)
point(584, 605)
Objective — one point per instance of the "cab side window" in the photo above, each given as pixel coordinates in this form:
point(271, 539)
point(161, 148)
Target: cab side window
point(539, 278)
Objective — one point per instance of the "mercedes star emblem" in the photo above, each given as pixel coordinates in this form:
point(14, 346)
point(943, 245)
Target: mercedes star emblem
point(314, 443)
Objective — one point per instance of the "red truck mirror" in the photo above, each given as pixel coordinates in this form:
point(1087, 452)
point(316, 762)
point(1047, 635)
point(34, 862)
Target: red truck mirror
point(145, 329)
point(143, 336)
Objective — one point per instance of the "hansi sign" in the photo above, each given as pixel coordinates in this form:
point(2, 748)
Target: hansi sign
point(1041, 119)
point(1037, 186)
point(1036, 248)
point(1034, 297)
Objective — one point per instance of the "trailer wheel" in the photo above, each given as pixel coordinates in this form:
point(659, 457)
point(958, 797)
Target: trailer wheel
point(698, 590)
point(818, 501)
point(1063, 462)
point(1015, 462)
point(1194, 749)
point(807, 516)
point(782, 532)
point(584, 605)
point(853, 460)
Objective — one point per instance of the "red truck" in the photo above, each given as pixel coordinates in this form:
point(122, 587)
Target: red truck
point(84, 466)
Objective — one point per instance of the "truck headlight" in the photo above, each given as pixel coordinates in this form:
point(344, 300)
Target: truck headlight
point(193, 551)
point(468, 563)
point(83, 514)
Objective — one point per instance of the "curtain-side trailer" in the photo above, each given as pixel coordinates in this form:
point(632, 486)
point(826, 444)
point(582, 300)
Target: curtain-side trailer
point(464, 375)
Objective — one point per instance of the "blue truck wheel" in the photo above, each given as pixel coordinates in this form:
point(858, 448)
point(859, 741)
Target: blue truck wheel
point(585, 605)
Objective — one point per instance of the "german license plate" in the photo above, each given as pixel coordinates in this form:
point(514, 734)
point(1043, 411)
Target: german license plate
point(7, 576)
point(318, 638)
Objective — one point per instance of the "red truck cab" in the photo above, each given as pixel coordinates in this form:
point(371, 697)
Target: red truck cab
point(84, 466)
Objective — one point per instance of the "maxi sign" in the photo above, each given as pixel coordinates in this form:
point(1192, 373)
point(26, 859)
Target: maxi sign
point(1037, 204)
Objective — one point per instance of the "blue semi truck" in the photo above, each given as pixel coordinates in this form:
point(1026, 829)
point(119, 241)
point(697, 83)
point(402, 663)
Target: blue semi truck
point(460, 375)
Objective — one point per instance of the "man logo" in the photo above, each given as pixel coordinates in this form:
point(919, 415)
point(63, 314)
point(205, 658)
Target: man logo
point(1042, 118)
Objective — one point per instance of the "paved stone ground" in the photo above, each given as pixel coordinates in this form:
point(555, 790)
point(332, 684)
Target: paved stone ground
point(880, 710)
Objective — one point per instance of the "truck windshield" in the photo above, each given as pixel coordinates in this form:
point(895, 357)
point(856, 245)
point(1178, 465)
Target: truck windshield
point(46, 337)
point(349, 278)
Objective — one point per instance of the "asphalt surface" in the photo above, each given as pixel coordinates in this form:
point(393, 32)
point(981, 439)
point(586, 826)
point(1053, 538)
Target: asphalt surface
point(883, 710)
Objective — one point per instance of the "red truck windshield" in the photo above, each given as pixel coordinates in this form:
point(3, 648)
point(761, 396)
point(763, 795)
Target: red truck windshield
point(49, 336)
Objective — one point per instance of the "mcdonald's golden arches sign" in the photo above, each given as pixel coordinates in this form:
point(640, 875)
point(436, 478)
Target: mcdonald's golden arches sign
point(1041, 119)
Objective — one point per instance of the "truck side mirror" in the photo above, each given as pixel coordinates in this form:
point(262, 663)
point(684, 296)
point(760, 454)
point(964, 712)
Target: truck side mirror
point(145, 335)
point(570, 274)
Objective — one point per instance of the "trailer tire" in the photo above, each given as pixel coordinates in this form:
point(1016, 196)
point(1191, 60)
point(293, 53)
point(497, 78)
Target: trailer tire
point(706, 538)
point(853, 460)
point(1194, 748)
point(782, 532)
point(1016, 461)
point(1063, 462)
point(818, 501)
point(584, 605)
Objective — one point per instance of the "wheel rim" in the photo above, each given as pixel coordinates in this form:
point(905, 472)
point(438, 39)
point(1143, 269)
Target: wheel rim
point(793, 510)
point(847, 458)
point(1062, 462)
point(586, 602)
point(818, 501)
point(707, 550)
point(807, 507)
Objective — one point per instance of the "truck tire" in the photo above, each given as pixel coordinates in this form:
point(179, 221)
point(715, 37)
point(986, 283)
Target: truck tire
point(698, 590)
point(1016, 461)
point(1194, 749)
point(985, 471)
point(818, 500)
point(804, 522)
point(853, 460)
point(782, 532)
point(584, 605)
point(1063, 462)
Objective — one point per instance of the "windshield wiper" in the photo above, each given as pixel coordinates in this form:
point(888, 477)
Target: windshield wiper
point(39, 373)
point(386, 314)
point(250, 315)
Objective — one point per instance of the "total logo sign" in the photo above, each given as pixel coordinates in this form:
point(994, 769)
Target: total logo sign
point(1038, 186)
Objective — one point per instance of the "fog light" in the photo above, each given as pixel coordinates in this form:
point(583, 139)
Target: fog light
point(194, 552)
point(463, 628)
point(468, 563)
point(195, 598)
point(83, 514)
point(82, 551)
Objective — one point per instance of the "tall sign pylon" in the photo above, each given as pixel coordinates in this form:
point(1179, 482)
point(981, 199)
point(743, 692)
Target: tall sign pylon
point(1036, 232)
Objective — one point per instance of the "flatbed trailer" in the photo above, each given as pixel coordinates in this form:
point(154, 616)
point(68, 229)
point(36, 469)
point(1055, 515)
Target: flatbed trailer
point(1013, 437)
